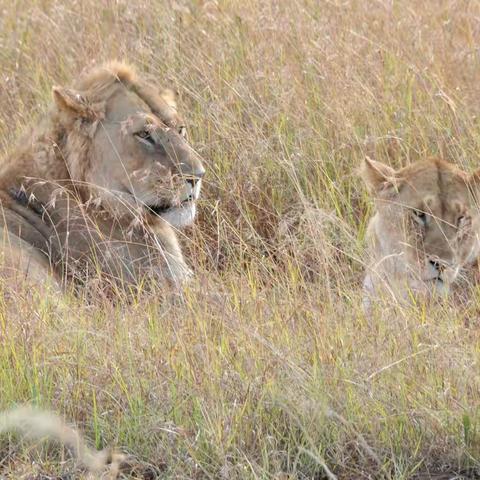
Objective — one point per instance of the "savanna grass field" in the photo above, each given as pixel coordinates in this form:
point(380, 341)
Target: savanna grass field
point(265, 366)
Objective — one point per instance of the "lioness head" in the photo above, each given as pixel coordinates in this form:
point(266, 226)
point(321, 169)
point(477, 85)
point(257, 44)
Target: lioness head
point(426, 225)
point(127, 146)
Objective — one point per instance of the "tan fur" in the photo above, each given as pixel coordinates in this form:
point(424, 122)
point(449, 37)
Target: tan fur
point(100, 186)
point(425, 228)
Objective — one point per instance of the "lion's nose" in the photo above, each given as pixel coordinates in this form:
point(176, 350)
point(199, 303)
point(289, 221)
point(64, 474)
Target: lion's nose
point(197, 170)
point(191, 168)
point(199, 173)
point(194, 176)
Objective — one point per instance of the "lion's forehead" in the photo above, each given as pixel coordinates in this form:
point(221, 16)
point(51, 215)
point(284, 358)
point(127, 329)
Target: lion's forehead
point(124, 105)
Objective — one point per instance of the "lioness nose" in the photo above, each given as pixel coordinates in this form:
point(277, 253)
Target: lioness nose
point(437, 265)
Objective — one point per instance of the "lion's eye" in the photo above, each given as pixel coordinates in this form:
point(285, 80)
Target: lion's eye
point(143, 134)
point(145, 137)
point(461, 220)
point(420, 217)
point(182, 131)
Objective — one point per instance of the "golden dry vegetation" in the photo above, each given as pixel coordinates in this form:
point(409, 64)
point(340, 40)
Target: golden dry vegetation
point(267, 368)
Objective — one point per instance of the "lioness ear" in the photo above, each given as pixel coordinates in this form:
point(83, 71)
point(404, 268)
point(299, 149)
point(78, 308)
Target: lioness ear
point(170, 97)
point(474, 177)
point(473, 183)
point(377, 175)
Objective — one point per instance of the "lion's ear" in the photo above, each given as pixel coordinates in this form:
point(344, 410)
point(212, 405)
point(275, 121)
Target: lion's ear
point(74, 104)
point(69, 100)
point(170, 97)
point(377, 175)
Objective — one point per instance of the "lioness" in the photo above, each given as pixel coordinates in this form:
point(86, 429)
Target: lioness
point(425, 228)
point(99, 187)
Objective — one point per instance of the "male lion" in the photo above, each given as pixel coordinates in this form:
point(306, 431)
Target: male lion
point(99, 187)
point(425, 229)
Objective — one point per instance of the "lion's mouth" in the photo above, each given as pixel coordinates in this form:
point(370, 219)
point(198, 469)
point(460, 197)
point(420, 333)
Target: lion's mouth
point(162, 208)
point(158, 209)
point(185, 199)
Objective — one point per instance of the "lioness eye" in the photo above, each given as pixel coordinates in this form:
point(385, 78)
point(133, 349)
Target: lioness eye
point(460, 221)
point(421, 217)
point(182, 131)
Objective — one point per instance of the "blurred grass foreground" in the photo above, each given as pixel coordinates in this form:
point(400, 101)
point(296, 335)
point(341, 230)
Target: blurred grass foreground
point(267, 368)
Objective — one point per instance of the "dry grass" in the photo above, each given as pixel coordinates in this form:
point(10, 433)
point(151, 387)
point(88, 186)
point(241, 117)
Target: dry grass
point(268, 369)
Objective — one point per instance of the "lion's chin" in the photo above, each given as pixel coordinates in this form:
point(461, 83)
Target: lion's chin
point(181, 216)
point(179, 213)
